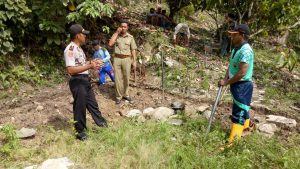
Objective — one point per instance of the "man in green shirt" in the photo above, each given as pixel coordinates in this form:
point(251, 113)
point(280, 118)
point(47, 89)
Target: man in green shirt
point(239, 77)
point(124, 56)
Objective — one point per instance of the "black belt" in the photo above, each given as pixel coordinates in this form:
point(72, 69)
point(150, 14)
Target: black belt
point(81, 75)
point(240, 82)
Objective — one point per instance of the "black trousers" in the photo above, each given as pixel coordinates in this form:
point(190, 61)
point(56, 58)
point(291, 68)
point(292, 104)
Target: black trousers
point(84, 98)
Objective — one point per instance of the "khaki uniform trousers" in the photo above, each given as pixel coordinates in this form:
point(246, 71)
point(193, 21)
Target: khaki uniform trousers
point(122, 67)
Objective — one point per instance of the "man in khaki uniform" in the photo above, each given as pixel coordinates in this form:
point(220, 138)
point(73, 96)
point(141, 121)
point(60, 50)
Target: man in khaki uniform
point(125, 55)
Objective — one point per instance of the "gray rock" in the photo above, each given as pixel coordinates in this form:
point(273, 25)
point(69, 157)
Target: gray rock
point(203, 92)
point(268, 129)
point(173, 139)
point(141, 119)
point(194, 91)
point(59, 163)
point(162, 113)
point(281, 120)
point(296, 77)
point(261, 92)
point(26, 133)
point(148, 112)
point(170, 62)
point(39, 108)
point(295, 108)
point(158, 56)
point(176, 91)
point(175, 116)
point(258, 106)
point(260, 98)
point(133, 113)
point(194, 96)
point(176, 122)
point(58, 111)
point(14, 100)
point(37, 103)
point(177, 105)
point(259, 119)
point(32, 167)
point(190, 109)
point(202, 108)
point(207, 114)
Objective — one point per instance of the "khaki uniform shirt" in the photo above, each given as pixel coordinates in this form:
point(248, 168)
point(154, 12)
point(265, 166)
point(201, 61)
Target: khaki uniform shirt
point(125, 44)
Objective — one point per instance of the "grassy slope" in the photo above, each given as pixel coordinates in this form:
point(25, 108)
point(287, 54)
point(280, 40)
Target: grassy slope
point(156, 145)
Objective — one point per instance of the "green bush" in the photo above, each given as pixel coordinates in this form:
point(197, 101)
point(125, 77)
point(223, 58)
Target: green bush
point(93, 10)
point(10, 139)
point(157, 38)
point(288, 58)
point(13, 19)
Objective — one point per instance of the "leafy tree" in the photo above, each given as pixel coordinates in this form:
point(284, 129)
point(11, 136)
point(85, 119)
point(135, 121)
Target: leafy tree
point(48, 22)
point(272, 15)
point(288, 58)
point(13, 19)
point(176, 6)
point(89, 11)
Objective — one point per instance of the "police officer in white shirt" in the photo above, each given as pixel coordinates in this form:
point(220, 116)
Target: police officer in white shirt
point(79, 84)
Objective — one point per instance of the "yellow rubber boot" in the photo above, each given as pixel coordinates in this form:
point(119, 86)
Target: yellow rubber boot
point(247, 123)
point(236, 132)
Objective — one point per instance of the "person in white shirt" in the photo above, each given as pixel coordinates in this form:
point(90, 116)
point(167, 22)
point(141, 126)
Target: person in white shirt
point(184, 30)
point(79, 83)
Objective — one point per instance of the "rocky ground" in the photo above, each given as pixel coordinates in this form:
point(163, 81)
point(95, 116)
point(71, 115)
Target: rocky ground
point(52, 106)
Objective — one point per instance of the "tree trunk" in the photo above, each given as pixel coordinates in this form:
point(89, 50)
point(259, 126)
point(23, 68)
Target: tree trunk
point(295, 24)
point(254, 34)
point(250, 9)
point(172, 13)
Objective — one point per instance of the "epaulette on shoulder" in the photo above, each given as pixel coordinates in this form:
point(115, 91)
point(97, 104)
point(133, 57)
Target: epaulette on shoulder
point(129, 35)
point(71, 48)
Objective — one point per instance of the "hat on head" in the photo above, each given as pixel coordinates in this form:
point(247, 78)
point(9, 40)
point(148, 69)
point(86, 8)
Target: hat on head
point(77, 28)
point(95, 42)
point(242, 28)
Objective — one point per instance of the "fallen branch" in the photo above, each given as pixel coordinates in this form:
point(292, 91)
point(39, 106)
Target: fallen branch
point(259, 31)
point(295, 24)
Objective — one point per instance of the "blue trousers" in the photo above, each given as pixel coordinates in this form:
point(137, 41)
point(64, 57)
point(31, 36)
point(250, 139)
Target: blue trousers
point(102, 74)
point(242, 95)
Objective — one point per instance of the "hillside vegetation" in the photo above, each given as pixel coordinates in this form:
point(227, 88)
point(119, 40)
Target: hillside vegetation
point(33, 74)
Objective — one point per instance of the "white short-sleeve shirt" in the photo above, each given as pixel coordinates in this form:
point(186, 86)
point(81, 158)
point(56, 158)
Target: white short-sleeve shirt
point(74, 56)
point(182, 27)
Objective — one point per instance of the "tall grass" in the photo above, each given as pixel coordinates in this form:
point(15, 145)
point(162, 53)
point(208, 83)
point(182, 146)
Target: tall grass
point(157, 145)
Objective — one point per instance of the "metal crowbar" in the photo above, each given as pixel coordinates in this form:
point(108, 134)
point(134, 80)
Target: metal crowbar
point(213, 110)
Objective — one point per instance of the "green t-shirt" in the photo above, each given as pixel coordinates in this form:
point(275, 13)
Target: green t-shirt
point(244, 54)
